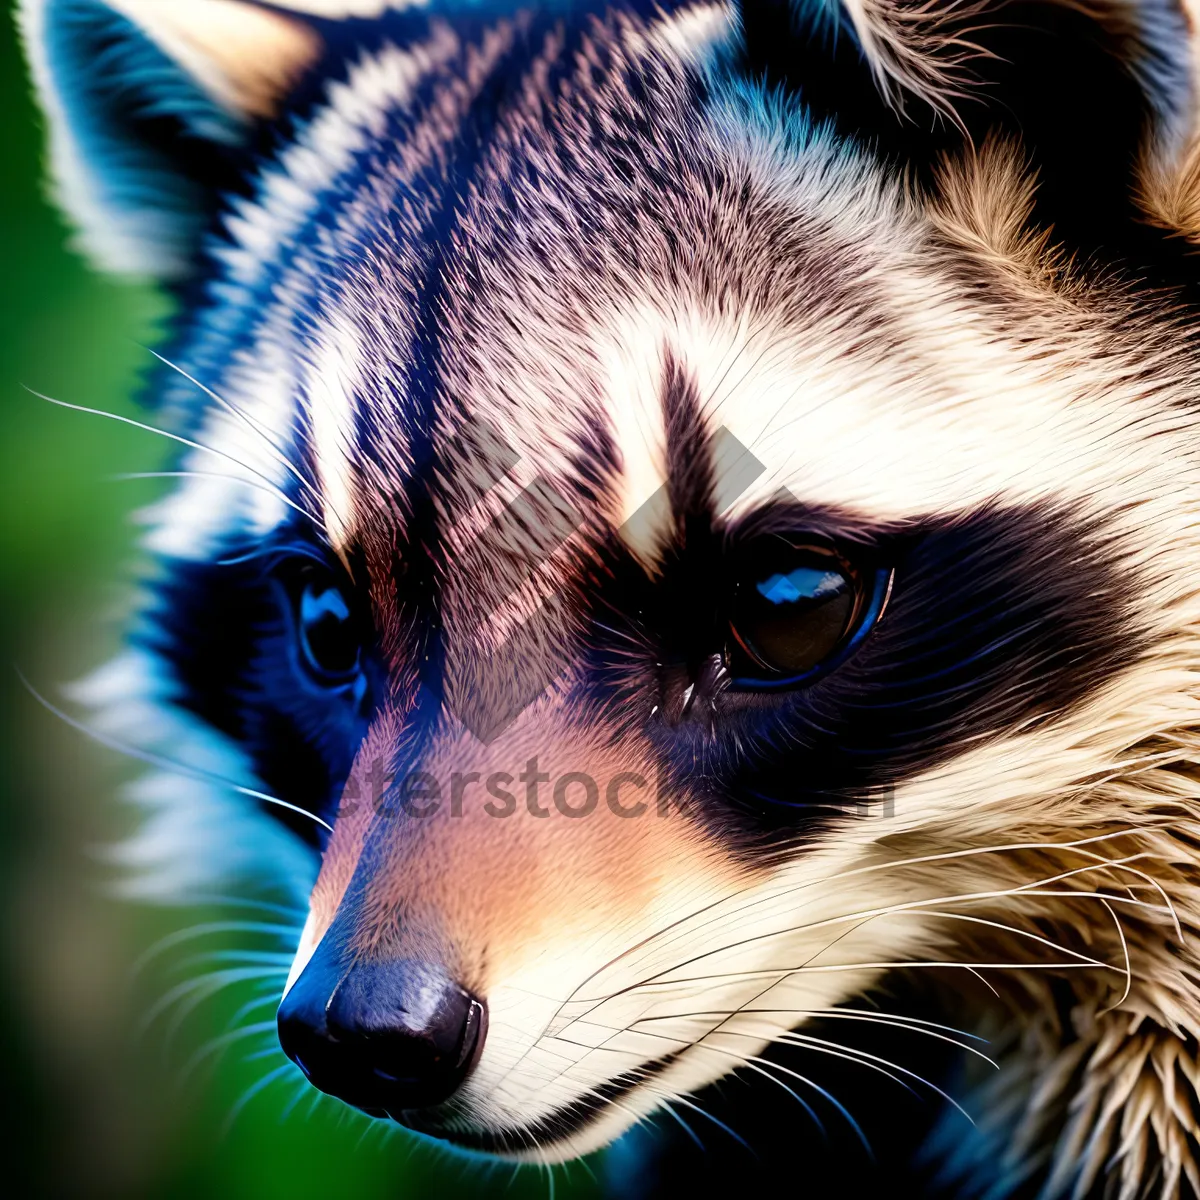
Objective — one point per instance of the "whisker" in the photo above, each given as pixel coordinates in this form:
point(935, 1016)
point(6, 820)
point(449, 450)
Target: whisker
point(986, 983)
point(843, 1052)
point(368, 1129)
point(208, 985)
point(289, 1108)
point(855, 1054)
point(904, 1020)
point(206, 929)
point(752, 1060)
point(271, 1051)
point(676, 1099)
point(781, 973)
point(190, 1002)
point(724, 1016)
point(1073, 894)
point(246, 958)
point(270, 995)
point(759, 1065)
point(1025, 933)
point(755, 1064)
point(670, 1111)
point(917, 906)
point(183, 441)
point(221, 1043)
point(836, 1014)
point(277, 451)
point(1125, 951)
point(166, 764)
point(654, 939)
point(130, 476)
point(261, 1085)
point(821, 1045)
point(207, 900)
point(1120, 864)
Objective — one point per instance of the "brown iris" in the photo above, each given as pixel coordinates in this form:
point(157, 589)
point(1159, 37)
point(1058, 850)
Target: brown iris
point(794, 607)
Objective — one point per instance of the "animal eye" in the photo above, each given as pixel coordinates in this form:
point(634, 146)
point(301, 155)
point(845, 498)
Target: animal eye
point(799, 609)
point(329, 641)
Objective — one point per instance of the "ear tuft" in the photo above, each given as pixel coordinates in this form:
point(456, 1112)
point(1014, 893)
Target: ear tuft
point(1103, 94)
point(924, 49)
point(1168, 180)
point(147, 103)
point(918, 50)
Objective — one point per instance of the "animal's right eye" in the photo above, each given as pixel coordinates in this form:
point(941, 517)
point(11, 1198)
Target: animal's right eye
point(327, 634)
point(329, 642)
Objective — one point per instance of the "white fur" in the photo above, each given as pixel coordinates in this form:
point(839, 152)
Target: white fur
point(331, 382)
point(196, 837)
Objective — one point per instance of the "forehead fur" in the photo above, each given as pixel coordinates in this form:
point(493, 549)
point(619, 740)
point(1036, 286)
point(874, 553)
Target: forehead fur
point(839, 305)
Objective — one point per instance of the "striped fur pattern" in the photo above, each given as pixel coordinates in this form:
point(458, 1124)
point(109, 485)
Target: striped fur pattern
point(439, 261)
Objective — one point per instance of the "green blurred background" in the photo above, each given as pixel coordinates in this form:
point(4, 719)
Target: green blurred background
point(101, 1105)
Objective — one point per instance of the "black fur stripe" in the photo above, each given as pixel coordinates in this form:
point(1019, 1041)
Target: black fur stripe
point(1003, 618)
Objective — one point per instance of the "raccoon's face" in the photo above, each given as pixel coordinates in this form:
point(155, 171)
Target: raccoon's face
point(660, 517)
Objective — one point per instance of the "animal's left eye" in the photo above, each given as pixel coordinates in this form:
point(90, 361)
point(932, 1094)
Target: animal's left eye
point(799, 609)
point(329, 641)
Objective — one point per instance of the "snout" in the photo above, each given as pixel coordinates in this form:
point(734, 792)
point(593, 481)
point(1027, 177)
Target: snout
point(386, 1037)
point(528, 870)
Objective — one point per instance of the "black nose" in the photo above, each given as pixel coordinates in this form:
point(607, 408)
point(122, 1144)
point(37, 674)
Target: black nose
point(384, 1037)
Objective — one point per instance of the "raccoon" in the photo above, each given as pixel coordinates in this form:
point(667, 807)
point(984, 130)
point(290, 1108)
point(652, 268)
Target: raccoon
point(688, 533)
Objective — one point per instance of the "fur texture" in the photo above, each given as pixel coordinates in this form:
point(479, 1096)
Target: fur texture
point(471, 300)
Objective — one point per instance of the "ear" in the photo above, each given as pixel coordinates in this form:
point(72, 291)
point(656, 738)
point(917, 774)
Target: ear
point(149, 105)
point(1100, 94)
point(1168, 183)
